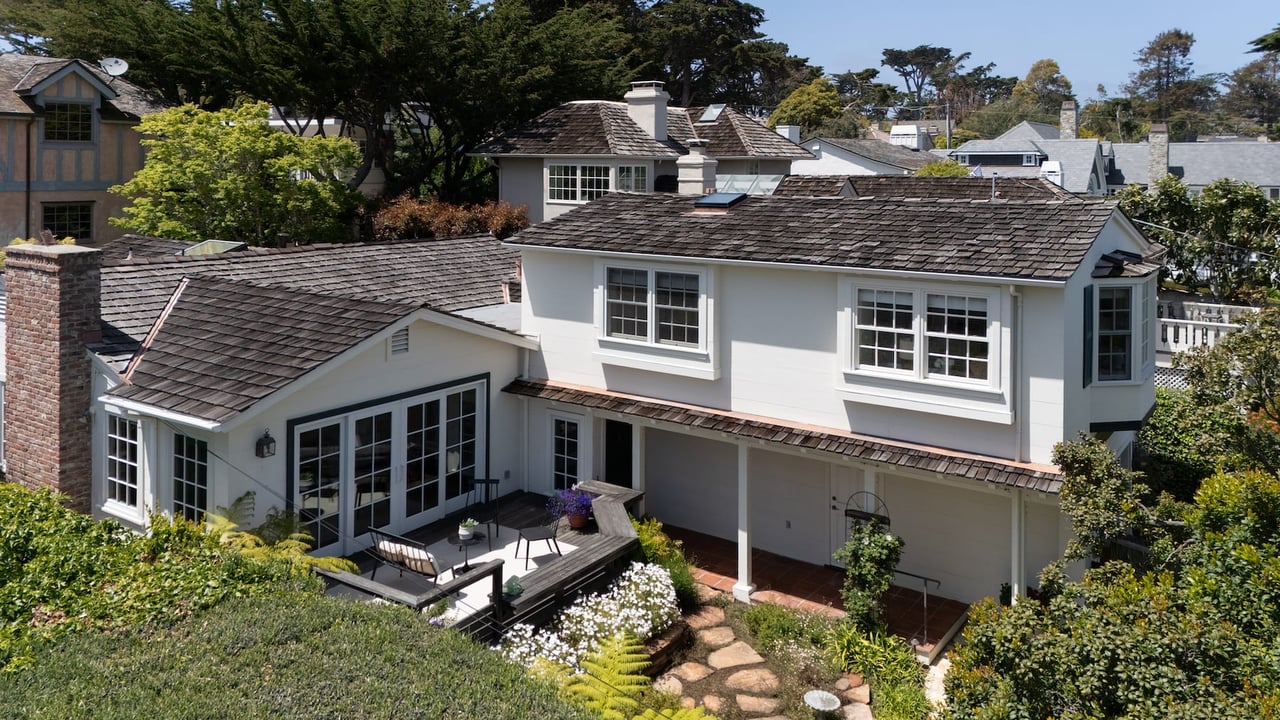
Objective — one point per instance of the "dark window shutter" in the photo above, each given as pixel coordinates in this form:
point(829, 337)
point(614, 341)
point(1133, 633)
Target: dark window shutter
point(1088, 335)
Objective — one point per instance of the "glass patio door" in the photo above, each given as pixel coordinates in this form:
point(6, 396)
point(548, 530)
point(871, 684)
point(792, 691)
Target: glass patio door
point(372, 458)
point(320, 491)
point(421, 493)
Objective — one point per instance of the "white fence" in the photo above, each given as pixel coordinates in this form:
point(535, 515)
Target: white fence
point(1183, 326)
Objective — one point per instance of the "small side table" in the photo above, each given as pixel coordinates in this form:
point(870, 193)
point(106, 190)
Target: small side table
point(464, 544)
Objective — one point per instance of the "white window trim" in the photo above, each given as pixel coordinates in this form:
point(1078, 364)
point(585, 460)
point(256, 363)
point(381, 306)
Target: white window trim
point(170, 450)
point(584, 445)
point(1030, 160)
point(987, 400)
point(580, 163)
point(135, 515)
point(699, 361)
point(1142, 357)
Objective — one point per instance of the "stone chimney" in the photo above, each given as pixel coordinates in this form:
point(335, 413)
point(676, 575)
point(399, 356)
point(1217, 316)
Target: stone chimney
point(53, 310)
point(790, 132)
point(1067, 121)
point(697, 170)
point(1158, 162)
point(647, 106)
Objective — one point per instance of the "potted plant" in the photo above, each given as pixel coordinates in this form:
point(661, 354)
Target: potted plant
point(465, 528)
point(573, 504)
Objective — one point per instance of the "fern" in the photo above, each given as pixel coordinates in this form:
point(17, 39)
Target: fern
point(696, 713)
point(293, 548)
point(613, 678)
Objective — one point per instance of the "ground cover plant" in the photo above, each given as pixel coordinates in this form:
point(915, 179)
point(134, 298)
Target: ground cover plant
point(290, 656)
point(659, 548)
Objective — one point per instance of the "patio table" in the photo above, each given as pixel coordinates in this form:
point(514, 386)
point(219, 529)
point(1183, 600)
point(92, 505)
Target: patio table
point(464, 544)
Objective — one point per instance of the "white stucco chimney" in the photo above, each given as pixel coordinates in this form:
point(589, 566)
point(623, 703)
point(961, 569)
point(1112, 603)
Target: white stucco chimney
point(1067, 121)
point(790, 132)
point(647, 106)
point(697, 170)
point(1158, 162)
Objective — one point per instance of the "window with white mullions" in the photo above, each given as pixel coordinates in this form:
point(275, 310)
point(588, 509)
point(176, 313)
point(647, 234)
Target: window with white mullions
point(627, 308)
point(122, 460)
point(1115, 333)
point(885, 333)
point(564, 453)
point(956, 336)
point(562, 182)
point(633, 178)
point(676, 303)
point(595, 181)
point(460, 443)
point(190, 477)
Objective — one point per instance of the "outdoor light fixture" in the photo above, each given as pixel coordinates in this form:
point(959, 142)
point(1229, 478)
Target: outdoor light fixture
point(266, 446)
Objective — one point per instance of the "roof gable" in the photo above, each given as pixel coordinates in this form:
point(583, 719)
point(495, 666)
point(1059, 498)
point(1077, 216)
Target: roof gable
point(22, 77)
point(881, 152)
point(1036, 241)
point(41, 76)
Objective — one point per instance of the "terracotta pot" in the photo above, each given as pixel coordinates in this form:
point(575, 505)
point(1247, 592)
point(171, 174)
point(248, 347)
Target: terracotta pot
point(577, 522)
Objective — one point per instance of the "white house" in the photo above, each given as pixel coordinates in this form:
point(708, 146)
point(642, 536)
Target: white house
point(581, 150)
point(758, 366)
point(854, 156)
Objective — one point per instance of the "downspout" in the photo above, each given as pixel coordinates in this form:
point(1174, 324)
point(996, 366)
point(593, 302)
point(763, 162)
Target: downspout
point(27, 205)
point(1015, 388)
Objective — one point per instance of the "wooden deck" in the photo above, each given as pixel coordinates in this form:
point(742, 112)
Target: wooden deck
point(602, 551)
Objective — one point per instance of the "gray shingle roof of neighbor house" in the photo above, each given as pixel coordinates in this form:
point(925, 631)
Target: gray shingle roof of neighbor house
point(448, 275)
point(881, 152)
point(20, 73)
point(129, 246)
point(1024, 240)
point(920, 187)
point(599, 127)
point(221, 346)
point(863, 447)
point(812, 186)
point(1028, 130)
point(1198, 164)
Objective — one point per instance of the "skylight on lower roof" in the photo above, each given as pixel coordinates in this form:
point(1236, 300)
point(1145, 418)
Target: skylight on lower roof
point(719, 200)
point(712, 113)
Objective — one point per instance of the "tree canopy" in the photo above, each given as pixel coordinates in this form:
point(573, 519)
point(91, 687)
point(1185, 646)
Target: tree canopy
point(809, 106)
point(228, 175)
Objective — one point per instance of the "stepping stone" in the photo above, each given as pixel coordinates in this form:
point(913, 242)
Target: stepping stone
point(709, 616)
point(716, 636)
point(668, 684)
point(706, 593)
point(856, 711)
point(753, 704)
point(691, 672)
point(735, 655)
point(754, 680)
point(855, 679)
point(860, 694)
point(688, 702)
point(713, 703)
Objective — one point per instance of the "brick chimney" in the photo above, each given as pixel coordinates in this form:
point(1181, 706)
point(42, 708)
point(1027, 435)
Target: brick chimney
point(647, 106)
point(697, 170)
point(53, 310)
point(1067, 120)
point(1158, 162)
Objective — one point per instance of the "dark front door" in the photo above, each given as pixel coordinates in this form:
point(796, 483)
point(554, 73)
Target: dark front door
point(617, 453)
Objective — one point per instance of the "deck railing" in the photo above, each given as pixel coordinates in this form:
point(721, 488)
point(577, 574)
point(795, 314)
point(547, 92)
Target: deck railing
point(1175, 336)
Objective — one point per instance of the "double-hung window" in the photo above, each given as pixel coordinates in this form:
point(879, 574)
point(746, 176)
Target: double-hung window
point(923, 334)
point(1120, 326)
point(578, 183)
point(653, 306)
point(123, 474)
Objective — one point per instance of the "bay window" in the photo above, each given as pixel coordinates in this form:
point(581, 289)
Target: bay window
point(123, 461)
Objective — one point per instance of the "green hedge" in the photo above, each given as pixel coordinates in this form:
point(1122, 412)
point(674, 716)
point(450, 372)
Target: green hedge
point(294, 655)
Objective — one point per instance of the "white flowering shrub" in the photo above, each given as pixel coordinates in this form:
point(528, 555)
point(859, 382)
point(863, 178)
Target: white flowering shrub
point(641, 602)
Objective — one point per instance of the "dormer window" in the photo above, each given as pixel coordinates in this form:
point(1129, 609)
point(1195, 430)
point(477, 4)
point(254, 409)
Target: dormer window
point(68, 122)
point(1030, 160)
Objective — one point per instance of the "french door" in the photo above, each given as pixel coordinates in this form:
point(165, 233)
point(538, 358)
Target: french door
point(394, 466)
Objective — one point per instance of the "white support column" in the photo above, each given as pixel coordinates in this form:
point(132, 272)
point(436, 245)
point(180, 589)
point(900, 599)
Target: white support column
point(743, 588)
point(870, 485)
point(637, 462)
point(1017, 545)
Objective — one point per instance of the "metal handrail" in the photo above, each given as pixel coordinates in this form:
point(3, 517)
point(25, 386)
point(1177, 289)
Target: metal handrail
point(924, 591)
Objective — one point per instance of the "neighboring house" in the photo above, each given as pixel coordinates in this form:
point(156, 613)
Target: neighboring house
point(763, 368)
point(1032, 149)
point(1195, 163)
point(911, 186)
point(584, 149)
point(70, 136)
point(852, 156)
point(303, 126)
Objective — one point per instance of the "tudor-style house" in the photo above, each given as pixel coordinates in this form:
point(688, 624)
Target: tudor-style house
point(69, 136)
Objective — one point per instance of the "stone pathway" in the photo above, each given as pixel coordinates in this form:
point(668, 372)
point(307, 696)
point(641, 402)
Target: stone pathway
point(733, 675)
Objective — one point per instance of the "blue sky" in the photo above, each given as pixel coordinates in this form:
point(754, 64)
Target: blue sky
point(1093, 42)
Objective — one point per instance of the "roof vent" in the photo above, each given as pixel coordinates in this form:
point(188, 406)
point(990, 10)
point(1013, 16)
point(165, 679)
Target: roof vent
point(712, 113)
point(719, 201)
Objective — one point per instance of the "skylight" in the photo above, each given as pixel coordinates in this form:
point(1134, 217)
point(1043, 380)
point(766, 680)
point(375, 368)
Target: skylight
point(719, 200)
point(712, 113)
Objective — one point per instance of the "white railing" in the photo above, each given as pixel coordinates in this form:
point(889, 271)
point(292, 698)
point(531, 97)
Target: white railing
point(1174, 336)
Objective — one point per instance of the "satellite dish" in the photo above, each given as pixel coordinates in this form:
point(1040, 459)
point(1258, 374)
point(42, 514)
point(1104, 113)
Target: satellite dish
point(113, 66)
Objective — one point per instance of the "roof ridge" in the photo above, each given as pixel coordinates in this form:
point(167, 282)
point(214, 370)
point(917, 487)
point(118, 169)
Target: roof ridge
point(127, 375)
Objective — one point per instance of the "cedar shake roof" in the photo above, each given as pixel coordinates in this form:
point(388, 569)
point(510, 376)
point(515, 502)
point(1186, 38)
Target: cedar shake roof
point(921, 187)
point(1027, 240)
point(598, 127)
point(881, 152)
point(221, 346)
point(446, 275)
point(129, 246)
point(911, 456)
point(20, 73)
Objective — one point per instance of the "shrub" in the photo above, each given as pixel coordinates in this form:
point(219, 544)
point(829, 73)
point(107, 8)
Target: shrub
point(775, 627)
point(406, 217)
point(889, 666)
point(869, 556)
point(289, 656)
point(659, 548)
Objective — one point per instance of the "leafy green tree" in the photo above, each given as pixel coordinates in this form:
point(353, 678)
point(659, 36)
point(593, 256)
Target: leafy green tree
point(919, 67)
point(860, 92)
point(1044, 88)
point(969, 92)
point(1241, 372)
point(809, 106)
point(1254, 90)
point(944, 168)
point(228, 175)
point(1113, 119)
point(1185, 441)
